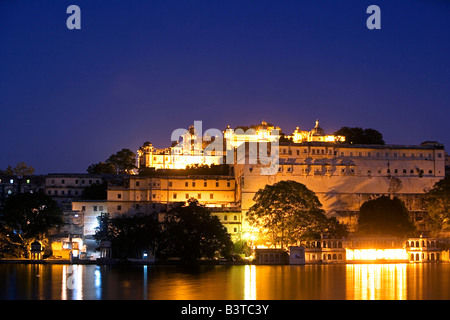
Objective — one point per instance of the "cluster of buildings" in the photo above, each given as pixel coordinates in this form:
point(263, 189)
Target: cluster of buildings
point(342, 175)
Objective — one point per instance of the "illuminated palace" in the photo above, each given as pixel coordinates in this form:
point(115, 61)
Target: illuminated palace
point(343, 176)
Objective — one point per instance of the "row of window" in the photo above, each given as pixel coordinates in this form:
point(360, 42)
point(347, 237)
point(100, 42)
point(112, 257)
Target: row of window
point(329, 256)
point(360, 154)
point(94, 208)
point(175, 196)
point(186, 184)
point(63, 193)
point(199, 196)
point(352, 170)
point(63, 181)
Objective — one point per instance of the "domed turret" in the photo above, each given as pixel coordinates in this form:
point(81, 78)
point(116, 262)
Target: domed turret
point(317, 130)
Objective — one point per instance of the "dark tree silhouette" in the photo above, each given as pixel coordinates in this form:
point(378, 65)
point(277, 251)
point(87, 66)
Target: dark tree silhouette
point(385, 216)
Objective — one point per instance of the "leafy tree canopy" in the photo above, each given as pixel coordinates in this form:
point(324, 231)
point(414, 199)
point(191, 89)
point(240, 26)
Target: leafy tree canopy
point(385, 216)
point(192, 232)
point(21, 169)
point(101, 168)
point(287, 212)
point(124, 161)
point(129, 235)
point(358, 135)
point(438, 206)
point(27, 217)
point(121, 162)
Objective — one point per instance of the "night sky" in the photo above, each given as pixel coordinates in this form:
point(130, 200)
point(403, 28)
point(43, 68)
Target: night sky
point(137, 70)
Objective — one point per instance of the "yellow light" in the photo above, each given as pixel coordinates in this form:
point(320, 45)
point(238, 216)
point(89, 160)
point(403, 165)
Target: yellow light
point(376, 254)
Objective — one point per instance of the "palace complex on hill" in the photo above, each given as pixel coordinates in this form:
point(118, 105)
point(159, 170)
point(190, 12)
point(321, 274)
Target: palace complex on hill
point(342, 175)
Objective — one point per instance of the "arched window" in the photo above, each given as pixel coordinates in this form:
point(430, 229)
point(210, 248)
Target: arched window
point(329, 256)
point(339, 256)
point(339, 244)
point(334, 257)
point(417, 244)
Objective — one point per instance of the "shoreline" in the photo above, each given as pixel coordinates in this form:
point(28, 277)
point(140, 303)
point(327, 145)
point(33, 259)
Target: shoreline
point(187, 263)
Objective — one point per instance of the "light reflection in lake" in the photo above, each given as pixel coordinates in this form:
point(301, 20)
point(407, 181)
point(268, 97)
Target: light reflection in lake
point(249, 282)
point(376, 281)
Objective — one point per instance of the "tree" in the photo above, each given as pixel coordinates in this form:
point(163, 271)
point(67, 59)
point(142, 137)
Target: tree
point(287, 212)
point(438, 206)
point(101, 168)
point(360, 136)
point(27, 217)
point(192, 232)
point(130, 235)
point(21, 169)
point(123, 161)
point(385, 216)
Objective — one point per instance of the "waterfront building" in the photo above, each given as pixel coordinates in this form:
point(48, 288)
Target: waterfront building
point(157, 194)
point(87, 212)
point(67, 187)
point(361, 249)
point(424, 249)
point(344, 176)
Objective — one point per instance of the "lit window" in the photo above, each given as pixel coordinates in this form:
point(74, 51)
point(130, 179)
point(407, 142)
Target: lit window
point(211, 195)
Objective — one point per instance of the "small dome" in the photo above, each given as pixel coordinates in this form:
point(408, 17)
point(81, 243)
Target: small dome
point(317, 130)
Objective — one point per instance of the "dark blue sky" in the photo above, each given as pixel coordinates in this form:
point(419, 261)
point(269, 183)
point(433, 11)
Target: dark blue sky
point(137, 70)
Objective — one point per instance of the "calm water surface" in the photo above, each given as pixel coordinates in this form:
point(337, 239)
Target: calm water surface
point(331, 282)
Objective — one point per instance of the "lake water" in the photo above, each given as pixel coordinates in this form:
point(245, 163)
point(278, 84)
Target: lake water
point(220, 282)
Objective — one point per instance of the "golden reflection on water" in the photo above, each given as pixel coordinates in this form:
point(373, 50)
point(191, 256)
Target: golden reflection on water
point(376, 282)
point(250, 283)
